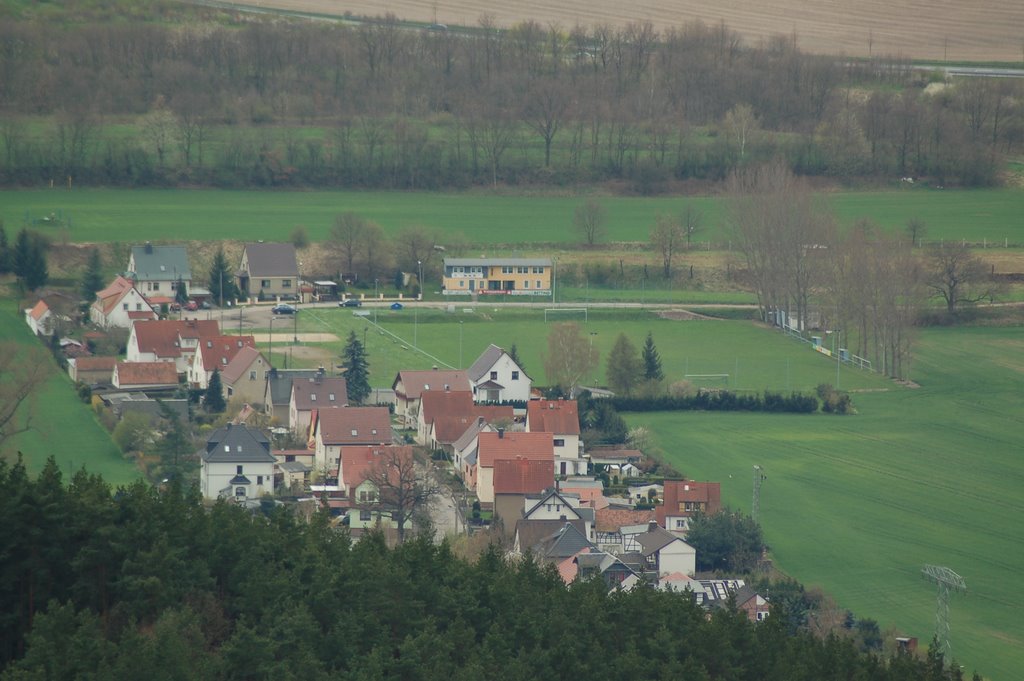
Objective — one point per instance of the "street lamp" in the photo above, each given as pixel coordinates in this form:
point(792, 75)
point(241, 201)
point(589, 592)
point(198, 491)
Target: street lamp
point(270, 341)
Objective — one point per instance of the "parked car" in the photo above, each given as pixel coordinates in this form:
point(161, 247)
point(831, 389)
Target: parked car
point(283, 308)
point(351, 302)
point(396, 306)
point(191, 306)
point(175, 307)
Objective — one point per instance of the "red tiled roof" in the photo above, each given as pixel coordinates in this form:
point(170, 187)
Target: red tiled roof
point(370, 425)
point(239, 364)
point(146, 373)
point(611, 519)
point(218, 351)
point(162, 336)
point(415, 382)
point(315, 393)
point(358, 462)
point(678, 492)
point(494, 413)
point(141, 314)
point(109, 297)
point(523, 476)
point(450, 403)
point(448, 429)
point(39, 310)
point(553, 416)
point(533, 446)
point(95, 363)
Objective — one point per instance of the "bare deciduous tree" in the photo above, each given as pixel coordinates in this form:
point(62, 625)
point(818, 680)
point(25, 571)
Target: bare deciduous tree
point(404, 485)
point(589, 220)
point(23, 370)
point(957, 276)
point(667, 237)
point(346, 238)
point(569, 358)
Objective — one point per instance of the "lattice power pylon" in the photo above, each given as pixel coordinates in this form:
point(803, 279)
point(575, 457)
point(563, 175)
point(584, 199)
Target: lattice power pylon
point(947, 581)
point(755, 507)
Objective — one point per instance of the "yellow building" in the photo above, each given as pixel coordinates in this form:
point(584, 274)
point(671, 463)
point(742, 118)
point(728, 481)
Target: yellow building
point(509, 276)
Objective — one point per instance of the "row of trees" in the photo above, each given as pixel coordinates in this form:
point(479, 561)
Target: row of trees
point(401, 108)
point(26, 258)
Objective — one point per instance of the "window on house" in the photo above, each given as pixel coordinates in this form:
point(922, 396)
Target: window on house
point(538, 270)
point(373, 431)
point(227, 448)
point(259, 479)
point(526, 284)
point(239, 491)
point(238, 469)
point(264, 283)
point(538, 283)
point(494, 375)
point(355, 432)
point(312, 397)
point(523, 270)
point(286, 283)
point(330, 396)
point(364, 515)
point(125, 306)
point(680, 524)
point(289, 457)
point(231, 391)
point(559, 442)
point(156, 285)
point(462, 283)
point(138, 307)
point(238, 448)
point(252, 375)
point(515, 375)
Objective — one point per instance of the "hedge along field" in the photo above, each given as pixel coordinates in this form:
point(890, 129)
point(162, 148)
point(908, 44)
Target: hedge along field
point(858, 504)
point(132, 215)
point(62, 425)
point(753, 356)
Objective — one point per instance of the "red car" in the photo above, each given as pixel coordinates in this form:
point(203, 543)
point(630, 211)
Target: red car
point(191, 306)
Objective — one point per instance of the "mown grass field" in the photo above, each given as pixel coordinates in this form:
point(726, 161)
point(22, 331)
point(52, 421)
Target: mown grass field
point(62, 425)
point(858, 504)
point(133, 215)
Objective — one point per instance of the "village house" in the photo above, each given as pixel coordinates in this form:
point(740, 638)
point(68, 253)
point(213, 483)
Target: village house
point(561, 419)
point(245, 376)
point(464, 450)
point(551, 504)
point(169, 340)
point(277, 394)
point(590, 563)
point(92, 370)
point(590, 490)
point(616, 529)
point(685, 498)
point(550, 541)
point(496, 377)
point(39, 318)
point(514, 481)
point(488, 276)
point(492, 447)
point(358, 467)
point(319, 392)
point(665, 553)
point(409, 386)
point(157, 271)
point(448, 404)
point(333, 428)
point(236, 463)
point(120, 305)
point(268, 271)
point(144, 376)
point(215, 352)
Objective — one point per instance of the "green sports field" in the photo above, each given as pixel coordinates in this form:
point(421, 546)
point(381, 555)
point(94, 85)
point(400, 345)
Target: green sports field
point(63, 426)
point(132, 215)
point(858, 504)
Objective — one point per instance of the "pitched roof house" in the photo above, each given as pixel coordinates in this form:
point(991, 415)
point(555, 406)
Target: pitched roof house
point(507, 445)
point(441, 404)
point(157, 269)
point(410, 385)
point(143, 375)
point(215, 352)
point(666, 553)
point(236, 463)
point(38, 318)
point(268, 271)
point(91, 370)
point(119, 305)
point(683, 499)
point(245, 376)
point(278, 392)
point(332, 428)
point(514, 480)
point(168, 340)
point(550, 540)
point(358, 462)
point(319, 392)
point(496, 377)
point(560, 418)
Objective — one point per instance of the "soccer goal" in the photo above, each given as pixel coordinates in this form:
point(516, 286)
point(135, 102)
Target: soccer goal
point(708, 380)
point(560, 314)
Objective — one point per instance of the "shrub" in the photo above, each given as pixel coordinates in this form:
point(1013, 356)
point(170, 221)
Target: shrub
point(833, 401)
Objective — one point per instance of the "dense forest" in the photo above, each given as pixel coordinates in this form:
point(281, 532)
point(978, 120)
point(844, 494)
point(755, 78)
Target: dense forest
point(147, 583)
point(230, 100)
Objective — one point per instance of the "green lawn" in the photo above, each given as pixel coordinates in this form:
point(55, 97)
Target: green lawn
point(62, 425)
point(858, 504)
point(133, 215)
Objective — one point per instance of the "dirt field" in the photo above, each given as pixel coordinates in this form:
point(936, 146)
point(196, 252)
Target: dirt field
point(984, 30)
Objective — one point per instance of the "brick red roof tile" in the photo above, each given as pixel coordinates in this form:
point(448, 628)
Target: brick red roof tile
point(523, 476)
point(414, 383)
point(162, 336)
point(371, 425)
point(145, 373)
point(218, 351)
point(553, 416)
point(533, 446)
point(357, 462)
point(445, 403)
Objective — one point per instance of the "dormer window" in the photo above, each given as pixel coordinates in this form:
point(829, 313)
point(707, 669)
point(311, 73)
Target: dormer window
point(355, 432)
point(223, 360)
point(330, 397)
point(373, 432)
point(426, 386)
point(238, 448)
point(312, 397)
point(227, 448)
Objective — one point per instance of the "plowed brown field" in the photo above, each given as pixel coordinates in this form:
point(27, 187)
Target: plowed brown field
point(958, 30)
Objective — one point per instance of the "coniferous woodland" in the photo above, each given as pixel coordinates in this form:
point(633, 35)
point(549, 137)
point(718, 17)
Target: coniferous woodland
point(147, 583)
point(231, 100)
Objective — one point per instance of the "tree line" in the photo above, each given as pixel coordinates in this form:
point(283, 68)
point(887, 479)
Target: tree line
point(273, 103)
point(148, 582)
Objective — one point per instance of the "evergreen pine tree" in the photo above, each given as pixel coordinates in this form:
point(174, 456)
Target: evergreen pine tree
point(174, 446)
point(37, 273)
point(92, 280)
point(214, 397)
point(357, 369)
point(513, 353)
point(22, 254)
point(221, 276)
point(5, 251)
point(180, 292)
point(399, 280)
point(652, 360)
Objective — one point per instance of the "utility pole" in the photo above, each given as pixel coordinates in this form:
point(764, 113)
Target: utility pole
point(759, 477)
point(947, 581)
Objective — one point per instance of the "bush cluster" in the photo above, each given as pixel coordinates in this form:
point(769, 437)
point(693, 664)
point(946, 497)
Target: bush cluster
point(723, 400)
point(833, 401)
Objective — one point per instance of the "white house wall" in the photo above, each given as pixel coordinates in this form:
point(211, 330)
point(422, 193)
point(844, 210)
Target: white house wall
point(215, 477)
point(518, 390)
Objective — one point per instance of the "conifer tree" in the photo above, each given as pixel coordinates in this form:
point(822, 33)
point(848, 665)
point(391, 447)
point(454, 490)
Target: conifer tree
point(222, 282)
point(652, 360)
point(513, 353)
point(21, 254)
point(92, 280)
point(30, 260)
point(180, 292)
point(357, 369)
point(5, 251)
point(214, 397)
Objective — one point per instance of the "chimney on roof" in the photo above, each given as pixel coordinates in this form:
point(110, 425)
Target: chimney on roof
point(229, 425)
point(149, 247)
point(501, 433)
point(651, 526)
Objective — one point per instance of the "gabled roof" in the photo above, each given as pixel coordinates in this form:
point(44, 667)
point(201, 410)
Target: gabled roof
point(436, 403)
point(218, 351)
point(494, 413)
point(357, 462)
point(546, 494)
point(281, 383)
point(613, 519)
point(654, 540)
point(316, 392)
point(677, 493)
point(162, 336)
point(237, 444)
point(485, 361)
point(450, 429)
point(353, 425)
point(108, 298)
point(40, 309)
point(239, 364)
point(531, 532)
point(146, 373)
point(415, 382)
point(272, 260)
point(94, 363)
point(511, 445)
point(160, 263)
point(523, 476)
point(566, 541)
point(474, 429)
point(553, 416)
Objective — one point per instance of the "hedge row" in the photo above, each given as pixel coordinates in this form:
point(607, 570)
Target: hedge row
point(724, 400)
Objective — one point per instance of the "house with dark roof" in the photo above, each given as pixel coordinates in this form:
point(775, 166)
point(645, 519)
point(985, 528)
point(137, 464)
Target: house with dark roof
point(268, 271)
point(592, 564)
point(120, 305)
point(318, 392)
point(685, 498)
point(245, 376)
point(409, 386)
point(550, 541)
point(144, 376)
point(551, 504)
point(332, 428)
point(215, 352)
point(560, 418)
point(236, 463)
point(514, 481)
point(666, 553)
point(496, 377)
point(157, 270)
point(277, 394)
point(503, 444)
